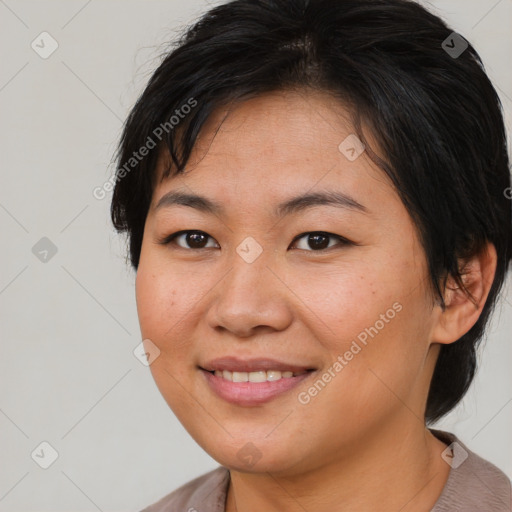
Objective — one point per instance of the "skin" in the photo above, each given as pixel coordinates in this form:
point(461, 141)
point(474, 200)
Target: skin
point(363, 433)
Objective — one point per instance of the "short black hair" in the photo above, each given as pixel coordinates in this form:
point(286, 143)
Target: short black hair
point(402, 72)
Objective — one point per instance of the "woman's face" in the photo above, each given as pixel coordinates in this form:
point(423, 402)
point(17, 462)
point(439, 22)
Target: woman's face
point(333, 288)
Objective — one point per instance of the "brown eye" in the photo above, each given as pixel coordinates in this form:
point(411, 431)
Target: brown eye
point(196, 240)
point(318, 240)
point(191, 239)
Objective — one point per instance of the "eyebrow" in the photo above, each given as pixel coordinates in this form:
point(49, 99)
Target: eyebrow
point(292, 205)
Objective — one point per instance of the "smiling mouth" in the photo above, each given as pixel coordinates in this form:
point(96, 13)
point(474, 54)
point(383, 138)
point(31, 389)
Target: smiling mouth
point(253, 388)
point(257, 376)
point(251, 381)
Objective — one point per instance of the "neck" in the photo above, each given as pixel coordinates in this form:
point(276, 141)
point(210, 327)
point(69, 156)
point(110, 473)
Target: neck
point(397, 468)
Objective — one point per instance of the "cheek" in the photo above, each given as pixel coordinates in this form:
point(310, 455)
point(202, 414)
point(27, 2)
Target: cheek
point(376, 318)
point(170, 304)
point(161, 301)
point(161, 308)
point(345, 301)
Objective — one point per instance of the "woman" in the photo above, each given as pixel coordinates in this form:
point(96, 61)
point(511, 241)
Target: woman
point(315, 198)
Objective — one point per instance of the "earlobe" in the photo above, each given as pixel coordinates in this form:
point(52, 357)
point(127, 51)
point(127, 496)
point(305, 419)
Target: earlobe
point(464, 304)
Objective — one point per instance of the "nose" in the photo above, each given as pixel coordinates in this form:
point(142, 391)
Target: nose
point(250, 299)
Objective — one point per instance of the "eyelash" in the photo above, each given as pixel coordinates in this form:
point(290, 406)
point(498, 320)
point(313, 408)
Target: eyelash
point(170, 239)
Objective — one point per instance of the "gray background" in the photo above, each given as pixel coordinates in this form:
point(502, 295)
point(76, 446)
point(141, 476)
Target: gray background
point(69, 325)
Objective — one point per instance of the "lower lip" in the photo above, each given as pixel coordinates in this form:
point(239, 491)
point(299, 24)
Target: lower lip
point(252, 393)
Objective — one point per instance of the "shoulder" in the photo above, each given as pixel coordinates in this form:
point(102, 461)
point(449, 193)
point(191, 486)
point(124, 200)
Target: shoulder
point(473, 483)
point(206, 493)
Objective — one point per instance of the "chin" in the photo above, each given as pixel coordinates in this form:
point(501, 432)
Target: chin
point(258, 456)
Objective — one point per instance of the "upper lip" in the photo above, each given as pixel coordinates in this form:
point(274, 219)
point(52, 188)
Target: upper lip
point(235, 364)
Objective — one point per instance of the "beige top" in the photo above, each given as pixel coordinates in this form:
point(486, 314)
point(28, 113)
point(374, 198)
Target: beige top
point(473, 485)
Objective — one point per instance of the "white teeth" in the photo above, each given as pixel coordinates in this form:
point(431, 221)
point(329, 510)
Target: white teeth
point(273, 375)
point(259, 376)
point(240, 376)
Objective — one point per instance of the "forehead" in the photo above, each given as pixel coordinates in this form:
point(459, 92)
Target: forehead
point(277, 142)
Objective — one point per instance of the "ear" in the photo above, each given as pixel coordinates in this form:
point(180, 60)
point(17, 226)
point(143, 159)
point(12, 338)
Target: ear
point(463, 310)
